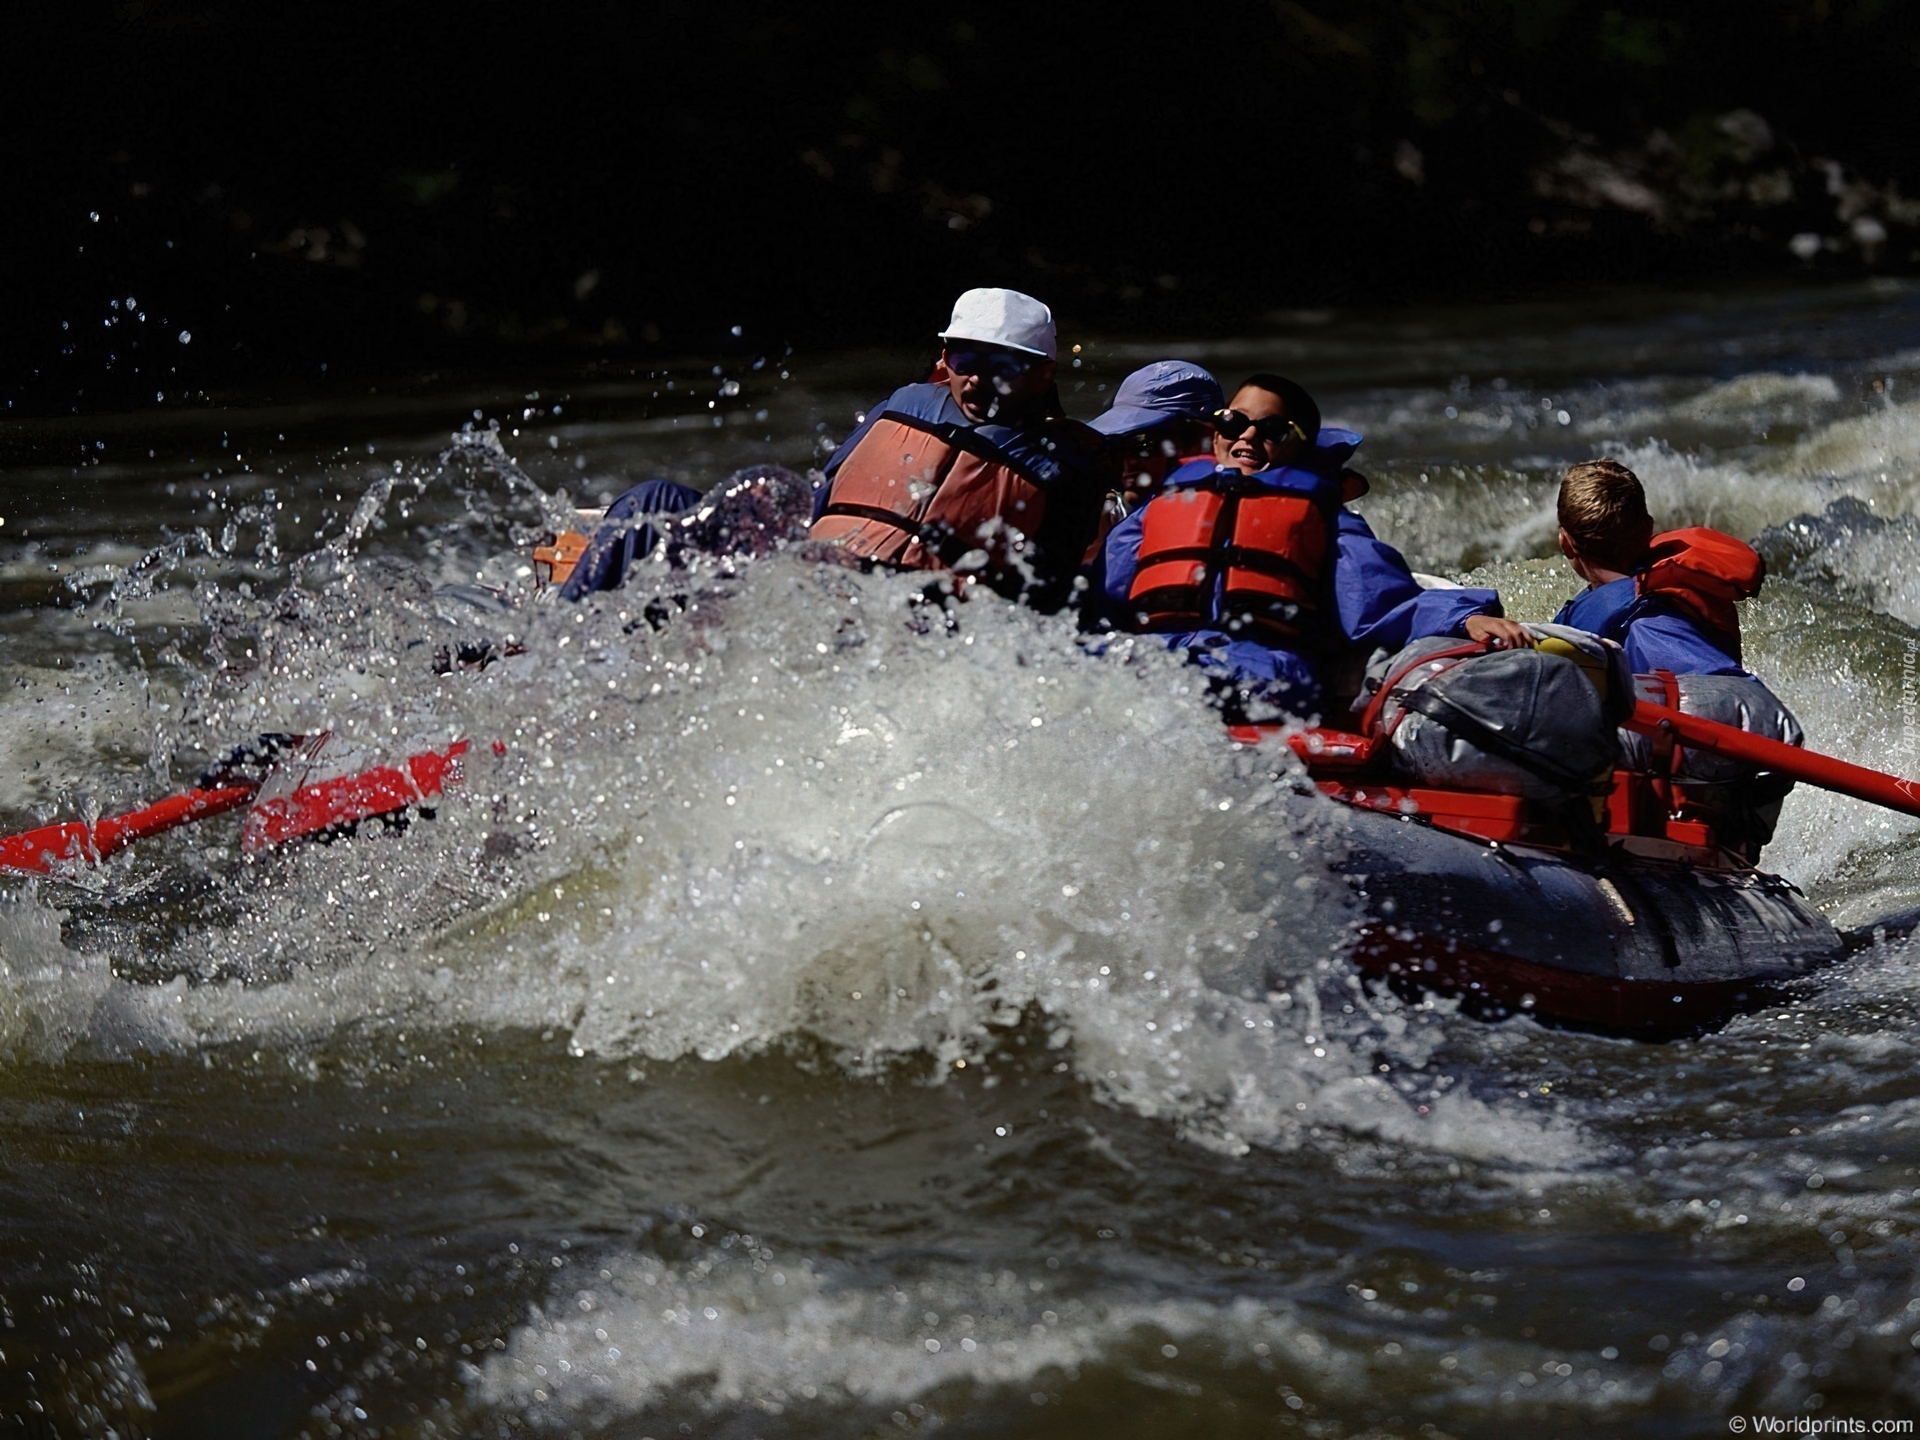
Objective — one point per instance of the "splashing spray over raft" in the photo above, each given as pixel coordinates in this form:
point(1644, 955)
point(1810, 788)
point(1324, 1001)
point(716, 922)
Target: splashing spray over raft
point(1658, 931)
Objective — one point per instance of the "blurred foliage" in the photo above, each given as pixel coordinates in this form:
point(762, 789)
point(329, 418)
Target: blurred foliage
point(372, 187)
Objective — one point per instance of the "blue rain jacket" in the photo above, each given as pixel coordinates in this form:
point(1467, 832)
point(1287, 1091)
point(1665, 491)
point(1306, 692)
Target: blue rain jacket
point(614, 545)
point(1656, 634)
point(1370, 594)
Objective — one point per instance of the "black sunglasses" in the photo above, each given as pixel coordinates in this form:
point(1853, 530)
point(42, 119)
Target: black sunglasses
point(1272, 428)
point(1001, 363)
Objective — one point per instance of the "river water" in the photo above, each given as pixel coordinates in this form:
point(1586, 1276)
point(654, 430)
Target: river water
point(817, 1021)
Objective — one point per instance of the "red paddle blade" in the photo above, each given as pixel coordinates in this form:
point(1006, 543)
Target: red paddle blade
point(1840, 776)
point(37, 852)
point(347, 799)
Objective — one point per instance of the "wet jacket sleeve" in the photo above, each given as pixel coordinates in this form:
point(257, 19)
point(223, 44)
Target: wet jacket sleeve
point(1378, 601)
point(1672, 642)
point(616, 542)
point(1121, 556)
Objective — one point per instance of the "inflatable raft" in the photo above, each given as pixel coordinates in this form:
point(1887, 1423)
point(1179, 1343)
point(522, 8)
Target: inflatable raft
point(1649, 927)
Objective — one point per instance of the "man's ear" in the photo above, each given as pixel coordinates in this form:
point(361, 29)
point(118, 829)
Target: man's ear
point(1581, 565)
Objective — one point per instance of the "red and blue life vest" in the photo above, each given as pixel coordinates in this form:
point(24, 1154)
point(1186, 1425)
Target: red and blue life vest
point(922, 488)
point(1247, 554)
point(1696, 572)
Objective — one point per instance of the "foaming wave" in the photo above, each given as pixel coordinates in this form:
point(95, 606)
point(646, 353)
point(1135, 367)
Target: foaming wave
point(1849, 551)
point(1462, 516)
point(1874, 458)
point(805, 805)
point(49, 995)
point(1839, 670)
point(743, 1329)
point(1767, 396)
point(720, 810)
point(57, 725)
point(734, 1329)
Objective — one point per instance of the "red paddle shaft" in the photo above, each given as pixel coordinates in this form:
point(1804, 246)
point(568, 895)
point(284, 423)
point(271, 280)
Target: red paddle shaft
point(310, 810)
point(1828, 773)
point(346, 799)
point(38, 851)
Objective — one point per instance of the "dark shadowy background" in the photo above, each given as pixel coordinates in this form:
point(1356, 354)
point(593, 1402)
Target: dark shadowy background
point(375, 189)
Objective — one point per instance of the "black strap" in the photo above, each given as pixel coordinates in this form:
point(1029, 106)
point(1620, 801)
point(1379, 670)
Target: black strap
point(1243, 607)
point(1202, 554)
point(1230, 557)
point(1170, 609)
point(936, 539)
point(939, 539)
point(964, 437)
point(1170, 603)
point(1440, 709)
point(1265, 562)
point(873, 512)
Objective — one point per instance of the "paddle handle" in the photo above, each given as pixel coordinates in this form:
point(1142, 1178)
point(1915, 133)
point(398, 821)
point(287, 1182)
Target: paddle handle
point(1840, 776)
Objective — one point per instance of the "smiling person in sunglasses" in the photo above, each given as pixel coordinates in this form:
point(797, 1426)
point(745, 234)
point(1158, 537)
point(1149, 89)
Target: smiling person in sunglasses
point(978, 470)
point(1252, 564)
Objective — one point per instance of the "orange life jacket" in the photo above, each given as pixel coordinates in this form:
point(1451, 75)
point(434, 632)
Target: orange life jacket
point(920, 495)
point(1244, 554)
point(1703, 572)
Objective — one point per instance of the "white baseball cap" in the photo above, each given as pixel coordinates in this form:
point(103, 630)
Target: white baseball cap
point(1003, 317)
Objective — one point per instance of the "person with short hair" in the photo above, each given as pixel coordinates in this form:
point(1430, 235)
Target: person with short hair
point(978, 470)
point(1668, 599)
point(1250, 562)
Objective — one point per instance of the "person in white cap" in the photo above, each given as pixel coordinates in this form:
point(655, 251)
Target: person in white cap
point(977, 470)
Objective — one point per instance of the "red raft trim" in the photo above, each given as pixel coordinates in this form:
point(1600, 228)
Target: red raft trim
point(1342, 765)
point(1644, 810)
